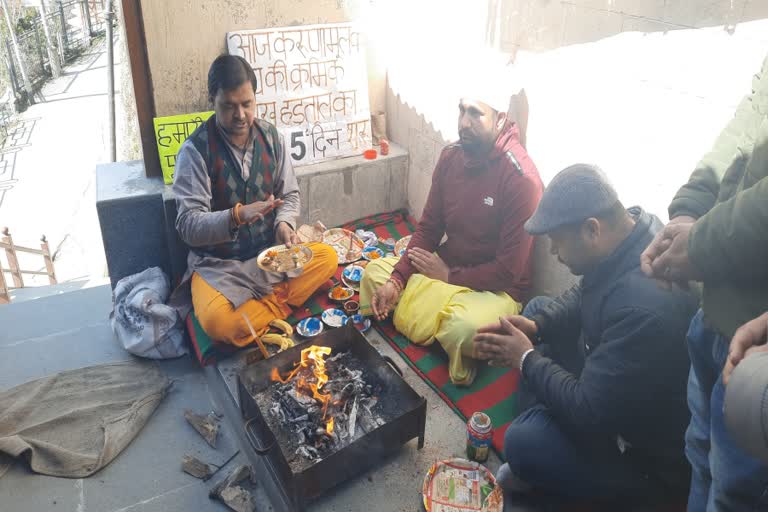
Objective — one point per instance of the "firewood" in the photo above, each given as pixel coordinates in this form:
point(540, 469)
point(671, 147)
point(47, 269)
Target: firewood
point(232, 495)
point(195, 467)
point(206, 426)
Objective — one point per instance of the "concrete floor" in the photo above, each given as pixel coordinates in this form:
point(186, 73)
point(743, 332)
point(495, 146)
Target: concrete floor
point(71, 330)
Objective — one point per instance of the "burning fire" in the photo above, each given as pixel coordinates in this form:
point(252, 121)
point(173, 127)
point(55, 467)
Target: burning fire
point(311, 358)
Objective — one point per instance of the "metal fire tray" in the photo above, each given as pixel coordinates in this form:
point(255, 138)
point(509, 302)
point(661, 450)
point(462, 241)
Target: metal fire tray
point(354, 458)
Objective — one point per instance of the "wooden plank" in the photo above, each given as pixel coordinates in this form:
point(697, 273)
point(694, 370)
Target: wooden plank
point(142, 84)
point(13, 262)
point(48, 260)
point(19, 248)
point(34, 272)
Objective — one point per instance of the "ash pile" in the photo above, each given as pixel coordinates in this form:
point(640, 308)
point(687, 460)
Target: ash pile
point(324, 404)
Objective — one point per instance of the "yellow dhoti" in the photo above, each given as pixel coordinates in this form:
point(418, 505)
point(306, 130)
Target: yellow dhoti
point(432, 310)
point(222, 322)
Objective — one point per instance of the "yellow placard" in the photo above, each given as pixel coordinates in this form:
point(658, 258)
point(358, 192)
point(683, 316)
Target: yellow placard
point(170, 133)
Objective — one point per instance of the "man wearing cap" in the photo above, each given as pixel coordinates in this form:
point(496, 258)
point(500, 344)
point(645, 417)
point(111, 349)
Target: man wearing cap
point(484, 188)
point(605, 363)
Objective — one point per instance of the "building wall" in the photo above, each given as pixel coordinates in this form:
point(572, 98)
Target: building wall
point(548, 24)
point(184, 36)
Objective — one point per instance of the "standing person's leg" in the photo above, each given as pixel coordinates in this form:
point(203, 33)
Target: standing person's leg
point(739, 481)
point(542, 456)
point(701, 381)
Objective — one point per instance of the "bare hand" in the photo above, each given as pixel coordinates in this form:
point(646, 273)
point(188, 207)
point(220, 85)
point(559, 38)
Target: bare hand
point(525, 325)
point(250, 213)
point(504, 347)
point(384, 299)
point(749, 338)
point(674, 264)
point(286, 235)
point(429, 264)
point(661, 244)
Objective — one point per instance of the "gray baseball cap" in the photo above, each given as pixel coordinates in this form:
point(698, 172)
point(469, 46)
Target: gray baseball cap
point(577, 193)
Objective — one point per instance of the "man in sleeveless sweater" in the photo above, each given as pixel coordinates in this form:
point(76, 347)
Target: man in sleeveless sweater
point(237, 194)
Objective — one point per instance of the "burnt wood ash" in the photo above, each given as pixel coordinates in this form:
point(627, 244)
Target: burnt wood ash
point(322, 420)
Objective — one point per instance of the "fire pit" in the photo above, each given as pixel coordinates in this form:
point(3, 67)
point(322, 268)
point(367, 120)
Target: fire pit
point(326, 410)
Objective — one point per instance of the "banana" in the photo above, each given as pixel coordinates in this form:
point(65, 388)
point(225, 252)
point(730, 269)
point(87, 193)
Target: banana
point(282, 325)
point(281, 340)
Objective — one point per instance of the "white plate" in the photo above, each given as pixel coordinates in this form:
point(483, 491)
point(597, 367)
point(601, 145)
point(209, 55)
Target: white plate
point(354, 286)
point(361, 323)
point(309, 327)
point(339, 239)
point(294, 258)
point(353, 273)
point(368, 251)
point(334, 317)
point(350, 293)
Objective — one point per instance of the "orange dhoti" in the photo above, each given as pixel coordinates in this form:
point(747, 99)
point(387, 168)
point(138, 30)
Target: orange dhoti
point(224, 323)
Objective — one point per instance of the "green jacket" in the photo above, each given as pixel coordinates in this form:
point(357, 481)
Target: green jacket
point(728, 194)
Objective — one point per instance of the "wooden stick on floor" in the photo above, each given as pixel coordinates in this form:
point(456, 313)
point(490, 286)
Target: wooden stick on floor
point(258, 340)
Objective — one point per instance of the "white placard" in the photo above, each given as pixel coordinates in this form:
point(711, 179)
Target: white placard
point(312, 83)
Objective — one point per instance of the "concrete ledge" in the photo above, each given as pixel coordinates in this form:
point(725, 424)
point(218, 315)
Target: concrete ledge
point(338, 191)
point(137, 214)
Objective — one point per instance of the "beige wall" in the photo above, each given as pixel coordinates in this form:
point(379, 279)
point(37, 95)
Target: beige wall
point(184, 36)
point(547, 24)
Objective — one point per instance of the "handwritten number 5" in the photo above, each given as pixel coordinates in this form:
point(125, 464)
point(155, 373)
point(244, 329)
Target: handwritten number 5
point(295, 142)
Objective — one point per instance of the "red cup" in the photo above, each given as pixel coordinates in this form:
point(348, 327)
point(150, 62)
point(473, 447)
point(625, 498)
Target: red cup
point(384, 143)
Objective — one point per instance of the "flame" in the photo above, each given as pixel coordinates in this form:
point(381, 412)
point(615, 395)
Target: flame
point(313, 357)
point(329, 426)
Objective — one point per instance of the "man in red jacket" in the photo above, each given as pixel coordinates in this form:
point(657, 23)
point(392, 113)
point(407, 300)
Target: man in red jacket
point(484, 188)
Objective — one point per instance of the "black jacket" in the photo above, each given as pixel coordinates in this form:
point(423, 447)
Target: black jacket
point(631, 336)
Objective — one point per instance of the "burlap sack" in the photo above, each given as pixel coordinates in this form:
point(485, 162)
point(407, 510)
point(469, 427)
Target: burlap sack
point(74, 423)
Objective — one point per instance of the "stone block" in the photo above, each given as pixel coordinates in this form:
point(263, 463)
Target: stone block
point(351, 193)
point(132, 218)
point(338, 191)
point(177, 249)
